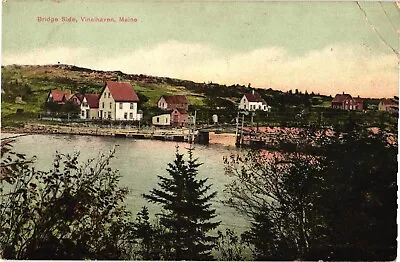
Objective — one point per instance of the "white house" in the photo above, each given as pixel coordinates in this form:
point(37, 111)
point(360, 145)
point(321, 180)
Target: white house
point(90, 106)
point(173, 101)
point(252, 102)
point(118, 101)
point(161, 120)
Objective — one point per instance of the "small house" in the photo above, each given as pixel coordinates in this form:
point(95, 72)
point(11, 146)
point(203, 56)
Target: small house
point(161, 120)
point(173, 101)
point(179, 117)
point(90, 106)
point(59, 96)
point(347, 102)
point(252, 102)
point(388, 105)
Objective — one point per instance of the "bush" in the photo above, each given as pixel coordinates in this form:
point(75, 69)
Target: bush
point(73, 211)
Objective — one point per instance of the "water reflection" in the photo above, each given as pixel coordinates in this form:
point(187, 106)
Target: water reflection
point(139, 162)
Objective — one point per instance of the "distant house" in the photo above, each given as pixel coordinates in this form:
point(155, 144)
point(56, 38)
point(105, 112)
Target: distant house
point(388, 105)
point(161, 120)
point(89, 106)
point(179, 117)
point(59, 96)
point(358, 103)
point(252, 102)
point(118, 101)
point(172, 102)
point(347, 102)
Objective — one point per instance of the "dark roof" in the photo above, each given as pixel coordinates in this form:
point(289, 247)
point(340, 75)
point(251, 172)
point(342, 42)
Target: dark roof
point(175, 99)
point(339, 98)
point(386, 101)
point(358, 99)
point(79, 96)
point(58, 95)
point(122, 91)
point(92, 100)
point(180, 110)
point(254, 97)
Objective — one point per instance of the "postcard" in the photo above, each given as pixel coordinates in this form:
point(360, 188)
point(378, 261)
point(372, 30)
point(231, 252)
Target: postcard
point(199, 130)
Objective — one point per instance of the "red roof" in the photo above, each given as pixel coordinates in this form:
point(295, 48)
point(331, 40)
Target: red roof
point(122, 91)
point(92, 100)
point(339, 98)
point(254, 97)
point(175, 99)
point(58, 95)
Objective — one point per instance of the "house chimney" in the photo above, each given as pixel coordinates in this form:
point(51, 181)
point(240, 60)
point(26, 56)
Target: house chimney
point(343, 92)
point(252, 91)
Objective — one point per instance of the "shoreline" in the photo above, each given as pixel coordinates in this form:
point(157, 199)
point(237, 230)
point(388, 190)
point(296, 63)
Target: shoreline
point(167, 135)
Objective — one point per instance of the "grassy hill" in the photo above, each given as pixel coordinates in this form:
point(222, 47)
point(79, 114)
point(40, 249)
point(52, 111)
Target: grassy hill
point(33, 84)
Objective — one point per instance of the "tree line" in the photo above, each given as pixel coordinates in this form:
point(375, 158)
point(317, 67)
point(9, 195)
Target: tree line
point(334, 202)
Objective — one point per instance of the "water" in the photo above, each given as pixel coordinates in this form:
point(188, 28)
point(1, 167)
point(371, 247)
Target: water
point(139, 162)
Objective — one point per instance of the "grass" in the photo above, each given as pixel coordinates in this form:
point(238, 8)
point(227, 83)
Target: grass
point(43, 79)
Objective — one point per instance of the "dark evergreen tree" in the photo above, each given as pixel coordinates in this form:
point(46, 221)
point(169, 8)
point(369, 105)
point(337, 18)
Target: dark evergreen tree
point(149, 244)
point(187, 215)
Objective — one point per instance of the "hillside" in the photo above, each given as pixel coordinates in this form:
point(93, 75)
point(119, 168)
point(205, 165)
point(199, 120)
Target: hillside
point(33, 83)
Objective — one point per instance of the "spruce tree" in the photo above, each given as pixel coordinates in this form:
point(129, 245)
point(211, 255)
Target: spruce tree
point(187, 210)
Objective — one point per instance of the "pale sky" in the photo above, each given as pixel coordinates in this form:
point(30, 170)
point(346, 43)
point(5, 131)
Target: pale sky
point(325, 47)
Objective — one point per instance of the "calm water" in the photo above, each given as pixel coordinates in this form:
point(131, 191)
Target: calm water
point(139, 162)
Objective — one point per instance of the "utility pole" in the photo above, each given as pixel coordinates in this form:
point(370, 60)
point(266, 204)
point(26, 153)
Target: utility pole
point(194, 125)
point(241, 134)
point(194, 120)
point(237, 124)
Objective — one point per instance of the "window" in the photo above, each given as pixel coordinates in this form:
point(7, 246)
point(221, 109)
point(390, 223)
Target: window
point(105, 93)
point(105, 114)
point(130, 115)
point(108, 95)
point(244, 106)
point(125, 115)
point(131, 107)
point(166, 120)
point(110, 105)
point(83, 113)
point(158, 120)
point(103, 105)
point(109, 114)
point(259, 106)
point(120, 105)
